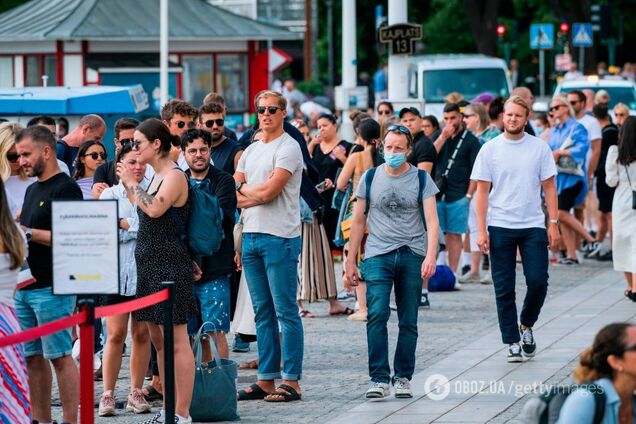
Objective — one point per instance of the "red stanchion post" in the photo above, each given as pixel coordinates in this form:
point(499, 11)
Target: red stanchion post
point(168, 354)
point(87, 392)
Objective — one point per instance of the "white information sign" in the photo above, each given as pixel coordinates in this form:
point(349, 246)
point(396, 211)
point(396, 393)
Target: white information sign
point(85, 243)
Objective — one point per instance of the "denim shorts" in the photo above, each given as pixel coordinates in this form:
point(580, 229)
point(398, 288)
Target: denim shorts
point(214, 303)
point(453, 216)
point(40, 306)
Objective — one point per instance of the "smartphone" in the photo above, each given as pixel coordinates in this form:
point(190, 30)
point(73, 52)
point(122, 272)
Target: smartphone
point(321, 186)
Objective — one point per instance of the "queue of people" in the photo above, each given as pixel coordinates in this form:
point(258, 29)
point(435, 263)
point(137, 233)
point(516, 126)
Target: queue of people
point(291, 196)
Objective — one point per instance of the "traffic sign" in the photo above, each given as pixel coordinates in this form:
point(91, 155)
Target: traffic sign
point(401, 36)
point(562, 62)
point(541, 36)
point(582, 35)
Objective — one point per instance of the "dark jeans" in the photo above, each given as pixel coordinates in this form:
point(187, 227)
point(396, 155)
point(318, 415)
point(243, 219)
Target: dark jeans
point(400, 268)
point(533, 245)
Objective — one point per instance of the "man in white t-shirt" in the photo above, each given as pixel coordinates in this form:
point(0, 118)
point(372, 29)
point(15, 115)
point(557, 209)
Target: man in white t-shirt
point(268, 179)
point(516, 221)
point(578, 100)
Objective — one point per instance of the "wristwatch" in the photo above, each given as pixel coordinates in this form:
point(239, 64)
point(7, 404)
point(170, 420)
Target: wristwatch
point(238, 186)
point(554, 221)
point(28, 232)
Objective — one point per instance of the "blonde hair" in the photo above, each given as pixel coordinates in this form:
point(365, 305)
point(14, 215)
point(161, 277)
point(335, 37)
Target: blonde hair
point(563, 98)
point(601, 96)
point(8, 131)
point(282, 102)
point(453, 97)
point(517, 100)
point(479, 110)
point(10, 236)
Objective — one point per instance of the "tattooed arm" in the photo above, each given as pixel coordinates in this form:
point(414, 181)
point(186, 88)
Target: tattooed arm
point(173, 192)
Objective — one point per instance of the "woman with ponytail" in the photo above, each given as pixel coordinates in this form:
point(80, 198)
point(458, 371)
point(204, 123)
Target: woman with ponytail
point(611, 365)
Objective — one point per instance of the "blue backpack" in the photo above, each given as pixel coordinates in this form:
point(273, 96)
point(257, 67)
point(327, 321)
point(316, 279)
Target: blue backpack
point(205, 226)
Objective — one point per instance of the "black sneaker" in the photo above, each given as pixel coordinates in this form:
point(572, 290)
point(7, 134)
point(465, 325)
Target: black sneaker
point(528, 345)
point(568, 261)
point(514, 353)
point(424, 303)
point(604, 257)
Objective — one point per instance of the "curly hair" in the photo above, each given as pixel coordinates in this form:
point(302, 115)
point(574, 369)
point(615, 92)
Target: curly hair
point(177, 107)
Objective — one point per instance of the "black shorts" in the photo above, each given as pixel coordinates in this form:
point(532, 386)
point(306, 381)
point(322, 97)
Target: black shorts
point(605, 194)
point(567, 198)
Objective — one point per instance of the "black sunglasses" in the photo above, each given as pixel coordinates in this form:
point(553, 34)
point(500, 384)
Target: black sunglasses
point(96, 155)
point(13, 157)
point(402, 129)
point(630, 348)
point(384, 112)
point(270, 109)
point(182, 124)
point(556, 107)
point(210, 122)
point(125, 141)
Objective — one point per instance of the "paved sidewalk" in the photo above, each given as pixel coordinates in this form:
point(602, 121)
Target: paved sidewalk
point(476, 384)
point(335, 360)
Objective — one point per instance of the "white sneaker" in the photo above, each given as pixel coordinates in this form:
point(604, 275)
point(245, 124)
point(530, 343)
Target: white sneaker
point(469, 278)
point(402, 387)
point(378, 390)
point(486, 279)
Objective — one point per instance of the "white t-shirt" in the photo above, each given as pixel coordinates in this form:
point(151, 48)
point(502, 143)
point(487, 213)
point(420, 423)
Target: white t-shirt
point(16, 186)
point(594, 132)
point(516, 170)
point(281, 216)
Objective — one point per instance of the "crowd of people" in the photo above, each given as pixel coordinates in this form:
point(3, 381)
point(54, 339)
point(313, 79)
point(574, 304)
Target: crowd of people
point(405, 195)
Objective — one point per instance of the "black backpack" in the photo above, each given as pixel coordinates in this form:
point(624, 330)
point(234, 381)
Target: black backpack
point(545, 408)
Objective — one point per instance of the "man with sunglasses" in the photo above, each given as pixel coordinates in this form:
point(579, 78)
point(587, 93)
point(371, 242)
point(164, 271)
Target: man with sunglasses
point(268, 179)
point(225, 152)
point(213, 97)
point(179, 116)
point(400, 254)
point(105, 174)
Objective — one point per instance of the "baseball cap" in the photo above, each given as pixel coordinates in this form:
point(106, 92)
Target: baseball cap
point(412, 110)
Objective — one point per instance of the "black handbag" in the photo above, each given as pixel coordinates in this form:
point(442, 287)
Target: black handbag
point(441, 180)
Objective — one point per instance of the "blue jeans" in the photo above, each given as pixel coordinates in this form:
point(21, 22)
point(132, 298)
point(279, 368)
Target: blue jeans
point(533, 245)
point(270, 265)
point(401, 268)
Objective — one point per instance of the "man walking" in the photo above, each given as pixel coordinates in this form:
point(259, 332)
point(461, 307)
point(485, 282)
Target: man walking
point(516, 221)
point(457, 149)
point(213, 290)
point(268, 180)
point(35, 304)
point(399, 252)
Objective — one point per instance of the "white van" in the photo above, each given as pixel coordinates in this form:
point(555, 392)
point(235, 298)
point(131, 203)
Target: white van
point(433, 77)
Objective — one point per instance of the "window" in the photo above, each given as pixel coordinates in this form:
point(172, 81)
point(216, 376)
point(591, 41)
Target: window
point(469, 82)
point(6, 71)
point(198, 77)
point(231, 81)
point(37, 66)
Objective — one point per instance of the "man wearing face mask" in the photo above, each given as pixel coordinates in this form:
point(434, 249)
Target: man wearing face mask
point(457, 149)
point(398, 210)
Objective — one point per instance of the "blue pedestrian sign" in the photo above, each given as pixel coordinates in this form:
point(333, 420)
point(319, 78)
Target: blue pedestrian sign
point(541, 36)
point(582, 35)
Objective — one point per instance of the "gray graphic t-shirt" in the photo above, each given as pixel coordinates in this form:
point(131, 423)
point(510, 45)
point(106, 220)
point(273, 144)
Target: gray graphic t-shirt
point(394, 217)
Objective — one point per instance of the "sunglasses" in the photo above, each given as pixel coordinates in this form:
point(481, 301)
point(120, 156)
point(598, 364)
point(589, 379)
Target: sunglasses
point(210, 123)
point(468, 115)
point(630, 348)
point(182, 124)
point(96, 155)
point(384, 112)
point(13, 157)
point(270, 109)
point(135, 144)
point(125, 141)
point(620, 115)
point(402, 129)
point(556, 107)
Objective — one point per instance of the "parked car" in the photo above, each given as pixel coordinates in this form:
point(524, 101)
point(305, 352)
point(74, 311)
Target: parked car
point(620, 90)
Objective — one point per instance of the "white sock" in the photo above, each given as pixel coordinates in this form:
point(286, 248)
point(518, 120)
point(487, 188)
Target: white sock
point(183, 419)
point(424, 291)
point(441, 258)
point(466, 258)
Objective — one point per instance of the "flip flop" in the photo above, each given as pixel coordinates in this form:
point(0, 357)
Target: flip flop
point(256, 394)
point(283, 393)
point(346, 311)
point(307, 314)
point(153, 394)
point(251, 365)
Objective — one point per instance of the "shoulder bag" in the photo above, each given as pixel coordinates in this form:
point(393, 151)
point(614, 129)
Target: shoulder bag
point(630, 187)
point(441, 180)
point(566, 164)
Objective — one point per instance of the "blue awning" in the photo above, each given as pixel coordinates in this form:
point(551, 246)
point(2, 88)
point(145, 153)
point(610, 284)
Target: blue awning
point(103, 100)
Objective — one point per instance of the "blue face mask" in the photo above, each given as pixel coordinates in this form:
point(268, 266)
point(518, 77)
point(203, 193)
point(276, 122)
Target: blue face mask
point(394, 160)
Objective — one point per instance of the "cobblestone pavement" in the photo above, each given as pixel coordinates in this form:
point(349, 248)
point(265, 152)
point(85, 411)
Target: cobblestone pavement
point(335, 361)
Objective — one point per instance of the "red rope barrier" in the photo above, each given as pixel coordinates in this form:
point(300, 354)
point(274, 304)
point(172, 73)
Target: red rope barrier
point(80, 318)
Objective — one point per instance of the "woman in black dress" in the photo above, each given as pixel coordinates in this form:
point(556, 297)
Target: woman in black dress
point(161, 255)
point(329, 154)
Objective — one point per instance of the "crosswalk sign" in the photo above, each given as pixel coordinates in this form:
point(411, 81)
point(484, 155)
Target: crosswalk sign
point(582, 35)
point(541, 36)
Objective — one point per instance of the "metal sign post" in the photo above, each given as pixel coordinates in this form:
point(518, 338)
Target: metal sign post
point(541, 38)
point(582, 37)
